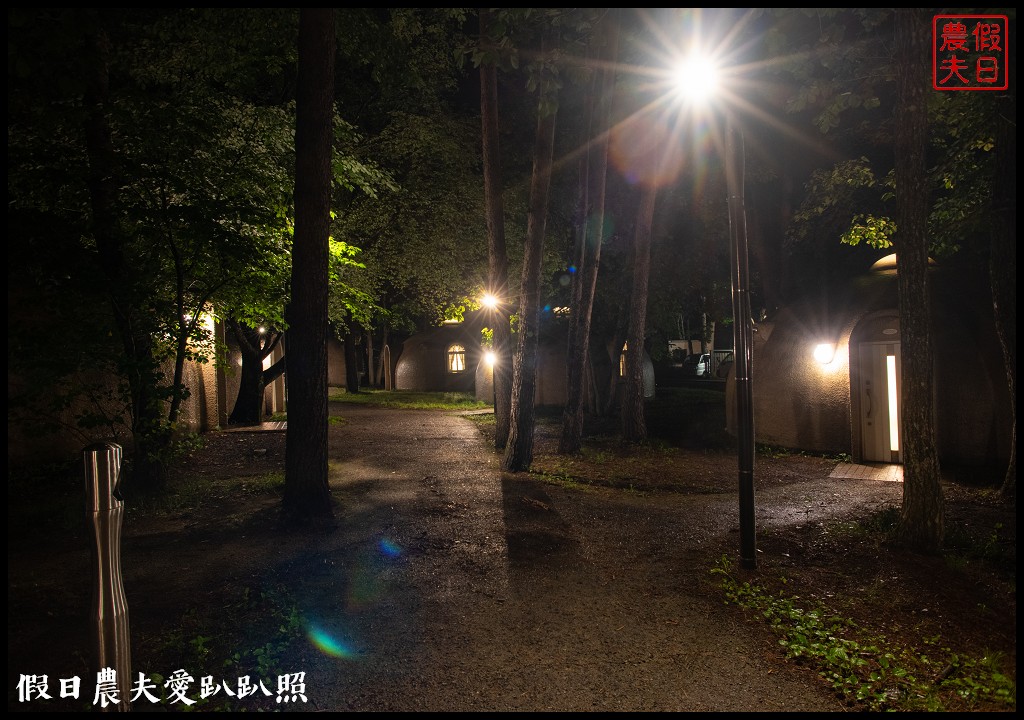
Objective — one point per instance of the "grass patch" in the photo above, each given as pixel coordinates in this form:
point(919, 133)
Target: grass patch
point(192, 493)
point(409, 399)
point(870, 671)
point(563, 480)
point(248, 637)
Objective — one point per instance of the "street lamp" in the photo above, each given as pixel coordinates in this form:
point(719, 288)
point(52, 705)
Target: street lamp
point(697, 79)
point(743, 340)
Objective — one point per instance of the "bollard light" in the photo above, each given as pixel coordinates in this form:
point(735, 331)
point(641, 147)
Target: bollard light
point(104, 510)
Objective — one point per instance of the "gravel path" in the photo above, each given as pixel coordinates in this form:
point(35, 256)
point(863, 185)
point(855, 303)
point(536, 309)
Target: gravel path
point(450, 586)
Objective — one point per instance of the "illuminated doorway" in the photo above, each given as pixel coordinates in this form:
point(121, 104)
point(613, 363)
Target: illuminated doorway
point(880, 402)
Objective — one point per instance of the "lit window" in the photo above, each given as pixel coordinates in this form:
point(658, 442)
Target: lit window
point(622, 360)
point(456, 359)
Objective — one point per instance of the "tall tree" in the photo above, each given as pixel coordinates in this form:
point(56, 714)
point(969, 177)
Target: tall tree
point(519, 450)
point(421, 235)
point(1003, 257)
point(141, 363)
point(591, 232)
point(634, 424)
point(306, 492)
point(185, 175)
point(497, 275)
point(921, 515)
point(256, 344)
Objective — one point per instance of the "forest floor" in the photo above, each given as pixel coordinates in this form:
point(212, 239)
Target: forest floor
point(608, 581)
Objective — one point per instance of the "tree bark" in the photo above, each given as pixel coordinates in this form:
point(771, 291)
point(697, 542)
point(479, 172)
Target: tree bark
point(371, 366)
point(612, 384)
point(519, 450)
point(306, 491)
point(497, 271)
point(384, 371)
point(1003, 260)
point(588, 256)
point(351, 362)
point(922, 515)
point(634, 424)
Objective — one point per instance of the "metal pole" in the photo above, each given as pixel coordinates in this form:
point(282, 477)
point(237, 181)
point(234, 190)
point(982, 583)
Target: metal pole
point(743, 340)
point(104, 509)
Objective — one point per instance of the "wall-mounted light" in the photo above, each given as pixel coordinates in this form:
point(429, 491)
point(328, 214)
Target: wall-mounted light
point(491, 358)
point(824, 353)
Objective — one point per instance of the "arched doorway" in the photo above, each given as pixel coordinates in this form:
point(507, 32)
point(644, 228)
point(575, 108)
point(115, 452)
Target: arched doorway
point(875, 387)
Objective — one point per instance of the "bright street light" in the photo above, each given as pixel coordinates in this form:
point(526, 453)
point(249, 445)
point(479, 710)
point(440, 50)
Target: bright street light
point(696, 78)
point(489, 301)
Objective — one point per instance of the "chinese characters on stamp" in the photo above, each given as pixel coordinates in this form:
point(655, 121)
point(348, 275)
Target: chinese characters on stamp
point(969, 52)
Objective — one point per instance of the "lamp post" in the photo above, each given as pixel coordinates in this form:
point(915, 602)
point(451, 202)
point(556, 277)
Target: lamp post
point(742, 340)
point(697, 78)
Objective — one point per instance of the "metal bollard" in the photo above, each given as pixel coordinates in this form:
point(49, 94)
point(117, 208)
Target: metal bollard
point(104, 509)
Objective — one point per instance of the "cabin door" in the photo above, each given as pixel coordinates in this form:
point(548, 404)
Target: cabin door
point(880, 402)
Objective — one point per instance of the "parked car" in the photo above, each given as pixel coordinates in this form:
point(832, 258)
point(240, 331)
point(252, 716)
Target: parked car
point(697, 365)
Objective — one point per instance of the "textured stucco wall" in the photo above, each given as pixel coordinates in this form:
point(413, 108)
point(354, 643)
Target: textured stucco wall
point(798, 402)
point(335, 362)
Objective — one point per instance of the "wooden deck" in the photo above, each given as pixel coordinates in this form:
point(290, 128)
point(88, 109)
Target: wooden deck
point(851, 471)
point(276, 426)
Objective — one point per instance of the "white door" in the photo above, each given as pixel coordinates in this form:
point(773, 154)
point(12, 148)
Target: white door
point(880, 403)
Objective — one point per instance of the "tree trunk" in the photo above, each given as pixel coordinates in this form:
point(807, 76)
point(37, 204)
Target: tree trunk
point(588, 256)
point(351, 362)
point(384, 373)
point(151, 436)
point(921, 517)
point(634, 424)
point(248, 409)
point(306, 491)
point(1003, 261)
point(593, 394)
point(614, 378)
point(371, 366)
point(254, 347)
point(519, 450)
point(497, 274)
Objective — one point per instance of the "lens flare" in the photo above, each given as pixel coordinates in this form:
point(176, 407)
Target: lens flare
point(389, 548)
point(328, 644)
